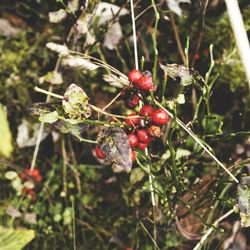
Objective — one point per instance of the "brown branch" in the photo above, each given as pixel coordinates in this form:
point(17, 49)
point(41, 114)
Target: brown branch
point(177, 37)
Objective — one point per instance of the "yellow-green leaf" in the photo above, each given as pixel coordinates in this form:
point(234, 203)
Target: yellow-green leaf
point(15, 239)
point(6, 147)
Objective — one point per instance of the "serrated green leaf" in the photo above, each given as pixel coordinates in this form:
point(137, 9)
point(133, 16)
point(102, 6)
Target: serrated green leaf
point(6, 147)
point(15, 239)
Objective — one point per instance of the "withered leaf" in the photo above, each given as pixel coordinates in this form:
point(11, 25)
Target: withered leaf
point(187, 76)
point(115, 145)
point(243, 192)
point(75, 103)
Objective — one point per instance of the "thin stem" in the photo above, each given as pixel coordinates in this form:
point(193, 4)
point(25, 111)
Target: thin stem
point(112, 101)
point(154, 37)
point(177, 37)
point(134, 34)
point(198, 141)
point(210, 230)
point(49, 93)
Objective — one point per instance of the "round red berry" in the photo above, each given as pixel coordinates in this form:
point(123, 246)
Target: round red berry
point(132, 101)
point(145, 83)
point(99, 153)
point(160, 117)
point(133, 155)
point(142, 145)
point(35, 172)
point(132, 121)
point(133, 140)
point(143, 136)
point(147, 111)
point(134, 75)
point(154, 131)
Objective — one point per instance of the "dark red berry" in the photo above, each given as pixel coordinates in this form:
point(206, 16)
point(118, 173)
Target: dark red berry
point(132, 121)
point(132, 101)
point(154, 131)
point(145, 83)
point(160, 117)
point(99, 153)
point(143, 136)
point(133, 140)
point(142, 145)
point(133, 155)
point(134, 75)
point(30, 192)
point(147, 111)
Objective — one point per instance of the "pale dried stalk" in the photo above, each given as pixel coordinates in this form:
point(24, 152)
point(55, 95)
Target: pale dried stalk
point(137, 67)
point(210, 230)
point(240, 35)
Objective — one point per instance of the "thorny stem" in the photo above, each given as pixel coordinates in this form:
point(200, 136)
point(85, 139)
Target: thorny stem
point(198, 141)
point(140, 104)
point(210, 230)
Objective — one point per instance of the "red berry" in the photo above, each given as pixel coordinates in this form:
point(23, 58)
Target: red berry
point(35, 172)
point(99, 153)
point(133, 140)
point(132, 101)
point(145, 83)
point(147, 111)
point(142, 145)
point(143, 136)
point(160, 117)
point(31, 193)
point(154, 131)
point(197, 56)
point(134, 75)
point(133, 155)
point(132, 121)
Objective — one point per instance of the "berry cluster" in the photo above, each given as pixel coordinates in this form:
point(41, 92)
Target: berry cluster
point(143, 133)
point(142, 128)
point(31, 175)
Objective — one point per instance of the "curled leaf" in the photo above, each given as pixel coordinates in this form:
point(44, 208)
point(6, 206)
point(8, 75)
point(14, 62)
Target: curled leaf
point(75, 103)
point(243, 191)
point(115, 145)
point(186, 76)
point(116, 81)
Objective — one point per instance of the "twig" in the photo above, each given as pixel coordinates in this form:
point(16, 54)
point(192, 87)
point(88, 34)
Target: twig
point(112, 101)
point(240, 35)
point(197, 140)
point(210, 230)
point(177, 37)
point(92, 106)
point(199, 34)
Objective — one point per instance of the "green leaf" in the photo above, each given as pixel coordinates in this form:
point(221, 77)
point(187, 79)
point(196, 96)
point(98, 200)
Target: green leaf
point(187, 76)
point(212, 124)
point(75, 103)
point(49, 117)
point(136, 175)
point(15, 239)
point(243, 192)
point(115, 145)
point(6, 147)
